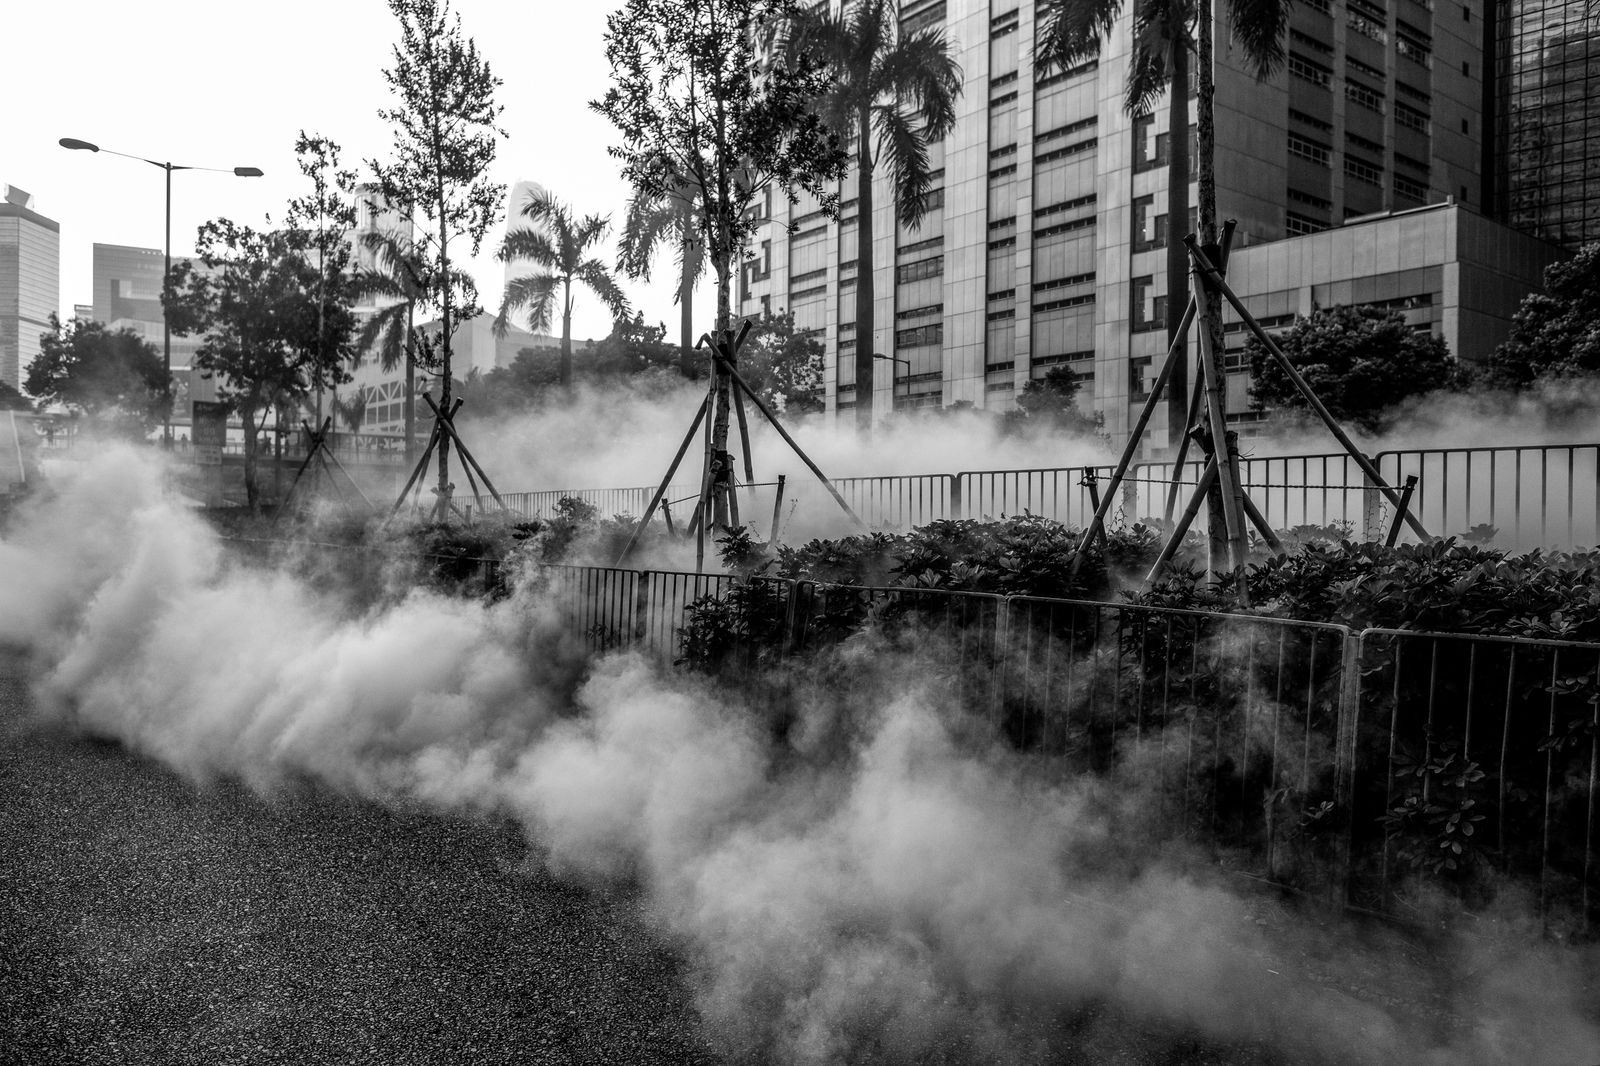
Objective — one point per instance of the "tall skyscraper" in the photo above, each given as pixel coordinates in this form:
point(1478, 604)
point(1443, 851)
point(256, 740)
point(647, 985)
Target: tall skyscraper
point(1046, 244)
point(1548, 121)
point(516, 199)
point(30, 281)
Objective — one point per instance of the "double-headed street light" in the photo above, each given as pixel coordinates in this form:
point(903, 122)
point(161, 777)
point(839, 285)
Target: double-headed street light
point(166, 330)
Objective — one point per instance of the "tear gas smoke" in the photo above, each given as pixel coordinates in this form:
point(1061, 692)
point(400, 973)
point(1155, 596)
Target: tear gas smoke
point(882, 885)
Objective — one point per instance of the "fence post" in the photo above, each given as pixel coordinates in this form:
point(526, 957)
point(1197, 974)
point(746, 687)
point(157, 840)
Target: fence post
point(641, 606)
point(1344, 761)
point(956, 506)
point(1371, 506)
point(1130, 493)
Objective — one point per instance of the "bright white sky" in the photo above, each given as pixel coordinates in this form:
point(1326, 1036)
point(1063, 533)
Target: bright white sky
point(224, 85)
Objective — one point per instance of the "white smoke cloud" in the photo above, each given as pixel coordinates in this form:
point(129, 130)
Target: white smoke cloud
point(892, 887)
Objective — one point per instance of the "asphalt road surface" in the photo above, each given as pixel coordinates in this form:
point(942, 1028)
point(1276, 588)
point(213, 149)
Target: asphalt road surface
point(145, 921)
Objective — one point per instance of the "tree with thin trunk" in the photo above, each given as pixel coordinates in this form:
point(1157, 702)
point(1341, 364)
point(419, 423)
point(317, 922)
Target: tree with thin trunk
point(892, 94)
point(397, 277)
point(652, 222)
point(702, 96)
point(445, 137)
point(559, 246)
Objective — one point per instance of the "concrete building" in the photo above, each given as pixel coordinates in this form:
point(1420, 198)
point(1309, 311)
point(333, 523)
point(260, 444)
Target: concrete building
point(1046, 246)
point(1547, 137)
point(30, 281)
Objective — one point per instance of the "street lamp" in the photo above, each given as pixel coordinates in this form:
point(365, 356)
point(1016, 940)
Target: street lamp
point(897, 359)
point(166, 331)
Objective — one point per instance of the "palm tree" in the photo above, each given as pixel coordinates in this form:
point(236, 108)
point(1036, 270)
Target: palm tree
point(900, 88)
point(651, 221)
point(1072, 31)
point(559, 250)
point(392, 332)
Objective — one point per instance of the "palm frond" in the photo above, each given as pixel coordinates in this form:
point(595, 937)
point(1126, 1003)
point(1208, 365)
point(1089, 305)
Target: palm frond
point(530, 245)
point(1149, 68)
point(922, 71)
point(906, 151)
point(533, 292)
point(1260, 27)
point(1071, 31)
point(594, 274)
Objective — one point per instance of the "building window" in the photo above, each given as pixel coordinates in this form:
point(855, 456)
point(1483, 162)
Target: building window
point(1363, 96)
point(1149, 148)
point(920, 336)
point(1149, 228)
point(1310, 70)
point(1368, 19)
point(1410, 118)
point(1413, 44)
point(1414, 190)
point(1149, 310)
point(920, 270)
point(1362, 170)
point(1299, 225)
point(1309, 150)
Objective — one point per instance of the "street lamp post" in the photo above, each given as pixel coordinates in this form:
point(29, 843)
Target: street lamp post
point(897, 359)
point(166, 330)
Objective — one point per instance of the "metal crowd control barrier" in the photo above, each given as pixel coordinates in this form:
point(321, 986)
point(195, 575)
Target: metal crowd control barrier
point(1471, 753)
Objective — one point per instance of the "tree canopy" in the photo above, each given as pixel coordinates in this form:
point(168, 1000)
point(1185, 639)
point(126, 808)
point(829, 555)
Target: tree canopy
point(117, 379)
point(1360, 361)
point(275, 327)
point(1051, 403)
point(782, 364)
point(1556, 333)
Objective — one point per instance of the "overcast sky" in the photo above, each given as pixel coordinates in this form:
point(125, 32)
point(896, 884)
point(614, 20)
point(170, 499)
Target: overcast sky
point(224, 85)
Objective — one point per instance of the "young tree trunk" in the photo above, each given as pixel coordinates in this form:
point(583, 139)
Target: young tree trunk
point(864, 293)
point(720, 486)
point(691, 262)
point(442, 508)
point(411, 386)
point(1177, 226)
point(252, 490)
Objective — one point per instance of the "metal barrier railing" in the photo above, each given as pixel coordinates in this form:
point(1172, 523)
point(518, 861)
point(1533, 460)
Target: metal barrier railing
point(1534, 495)
point(1355, 766)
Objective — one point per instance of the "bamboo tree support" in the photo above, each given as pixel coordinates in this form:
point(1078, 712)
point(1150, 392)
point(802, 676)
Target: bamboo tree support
point(1203, 264)
point(449, 425)
point(777, 509)
point(320, 452)
point(444, 432)
point(1403, 508)
point(1226, 456)
point(658, 500)
point(1163, 378)
point(1202, 489)
point(790, 441)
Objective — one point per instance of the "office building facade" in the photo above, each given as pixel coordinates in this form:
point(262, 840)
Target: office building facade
point(30, 281)
point(1046, 243)
point(1547, 104)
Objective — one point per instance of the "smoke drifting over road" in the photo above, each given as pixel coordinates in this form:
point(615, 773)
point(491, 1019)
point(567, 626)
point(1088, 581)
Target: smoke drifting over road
point(885, 883)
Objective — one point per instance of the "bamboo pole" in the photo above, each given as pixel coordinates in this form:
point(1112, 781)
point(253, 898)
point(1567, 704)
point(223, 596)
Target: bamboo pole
point(1402, 509)
point(1227, 471)
point(790, 441)
point(661, 491)
point(1201, 489)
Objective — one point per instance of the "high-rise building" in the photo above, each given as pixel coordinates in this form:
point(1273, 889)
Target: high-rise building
point(30, 281)
point(1045, 244)
point(1547, 143)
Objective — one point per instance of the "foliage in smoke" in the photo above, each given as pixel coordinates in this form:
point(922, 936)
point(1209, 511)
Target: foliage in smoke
point(918, 894)
point(1555, 333)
